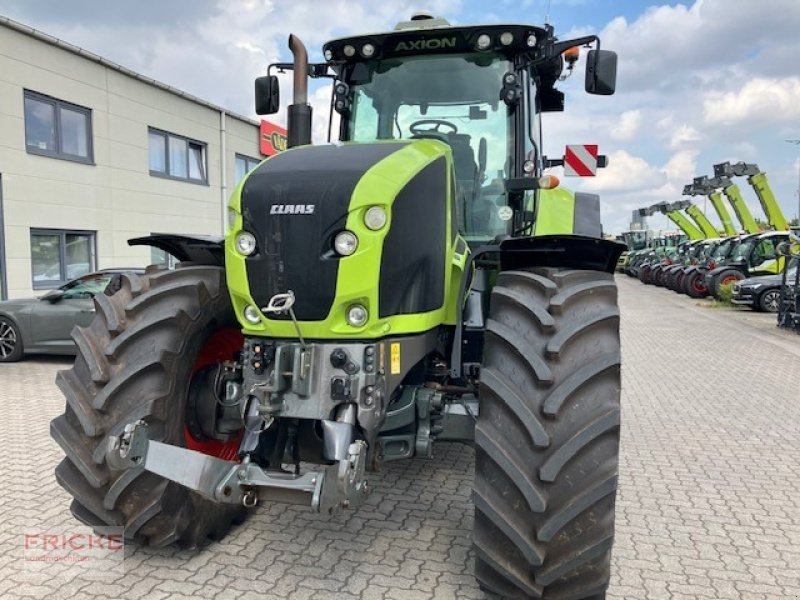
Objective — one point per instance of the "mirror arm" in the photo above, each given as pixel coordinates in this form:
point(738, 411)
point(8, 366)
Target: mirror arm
point(554, 49)
point(315, 70)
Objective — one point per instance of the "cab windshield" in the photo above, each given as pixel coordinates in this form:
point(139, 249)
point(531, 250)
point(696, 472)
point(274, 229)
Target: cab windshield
point(743, 250)
point(722, 250)
point(455, 99)
point(635, 240)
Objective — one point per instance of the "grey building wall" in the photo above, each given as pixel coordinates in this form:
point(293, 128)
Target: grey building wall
point(116, 196)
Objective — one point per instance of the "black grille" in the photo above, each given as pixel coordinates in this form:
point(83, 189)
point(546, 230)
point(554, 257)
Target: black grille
point(294, 204)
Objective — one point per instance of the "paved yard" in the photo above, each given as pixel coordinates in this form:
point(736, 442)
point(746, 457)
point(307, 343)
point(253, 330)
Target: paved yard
point(709, 504)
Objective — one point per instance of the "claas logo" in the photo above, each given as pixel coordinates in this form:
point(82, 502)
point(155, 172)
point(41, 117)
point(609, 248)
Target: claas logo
point(273, 138)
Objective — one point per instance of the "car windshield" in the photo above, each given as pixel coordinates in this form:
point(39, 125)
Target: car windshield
point(455, 99)
point(87, 286)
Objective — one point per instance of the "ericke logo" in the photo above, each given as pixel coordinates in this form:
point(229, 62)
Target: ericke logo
point(292, 209)
point(426, 44)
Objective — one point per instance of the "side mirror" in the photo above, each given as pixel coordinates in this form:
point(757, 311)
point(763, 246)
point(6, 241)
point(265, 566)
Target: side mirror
point(268, 95)
point(53, 296)
point(601, 72)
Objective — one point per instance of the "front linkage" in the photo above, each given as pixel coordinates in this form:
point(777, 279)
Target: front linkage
point(340, 485)
point(298, 380)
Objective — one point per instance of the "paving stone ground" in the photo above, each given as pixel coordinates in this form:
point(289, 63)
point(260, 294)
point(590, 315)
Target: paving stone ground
point(709, 505)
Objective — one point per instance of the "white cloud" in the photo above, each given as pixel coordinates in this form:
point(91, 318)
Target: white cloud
point(759, 101)
point(624, 173)
point(681, 167)
point(628, 126)
point(683, 135)
point(669, 46)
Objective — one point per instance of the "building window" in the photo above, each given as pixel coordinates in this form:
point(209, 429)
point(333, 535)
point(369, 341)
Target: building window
point(176, 157)
point(58, 256)
point(245, 164)
point(57, 129)
point(162, 258)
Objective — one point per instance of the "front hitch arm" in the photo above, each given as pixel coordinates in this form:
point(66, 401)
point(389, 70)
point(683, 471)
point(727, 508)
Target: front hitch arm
point(340, 485)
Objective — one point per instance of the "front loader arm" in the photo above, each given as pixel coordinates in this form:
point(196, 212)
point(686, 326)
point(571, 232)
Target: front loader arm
point(743, 213)
point(685, 225)
point(724, 215)
point(705, 225)
point(769, 203)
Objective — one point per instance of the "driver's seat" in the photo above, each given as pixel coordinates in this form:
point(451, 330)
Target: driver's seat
point(463, 158)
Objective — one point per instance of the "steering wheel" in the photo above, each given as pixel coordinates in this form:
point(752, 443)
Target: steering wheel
point(416, 127)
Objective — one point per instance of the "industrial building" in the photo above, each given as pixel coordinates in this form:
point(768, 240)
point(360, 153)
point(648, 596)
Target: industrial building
point(92, 154)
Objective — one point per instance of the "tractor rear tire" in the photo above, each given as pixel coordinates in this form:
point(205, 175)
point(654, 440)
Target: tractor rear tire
point(135, 361)
point(547, 436)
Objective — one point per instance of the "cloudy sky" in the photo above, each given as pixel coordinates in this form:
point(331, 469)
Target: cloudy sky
point(699, 82)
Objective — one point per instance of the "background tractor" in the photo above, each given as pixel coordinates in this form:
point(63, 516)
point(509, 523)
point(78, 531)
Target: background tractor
point(752, 256)
point(420, 281)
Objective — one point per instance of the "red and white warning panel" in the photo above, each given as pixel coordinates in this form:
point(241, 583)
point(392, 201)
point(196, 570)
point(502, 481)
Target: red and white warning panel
point(580, 160)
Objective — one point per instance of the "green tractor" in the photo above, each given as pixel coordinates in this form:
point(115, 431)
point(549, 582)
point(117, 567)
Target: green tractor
point(419, 281)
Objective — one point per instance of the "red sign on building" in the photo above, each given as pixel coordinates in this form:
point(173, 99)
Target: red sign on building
point(273, 138)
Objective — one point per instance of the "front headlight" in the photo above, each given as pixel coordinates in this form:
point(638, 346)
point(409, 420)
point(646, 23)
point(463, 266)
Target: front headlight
point(252, 314)
point(357, 315)
point(375, 218)
point(245, 243)
point(345, 243)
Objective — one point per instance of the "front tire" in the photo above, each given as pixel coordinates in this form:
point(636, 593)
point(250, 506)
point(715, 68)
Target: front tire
point(726, 278)
point(694, 285)
point(547, 438)
point(135, 361)
point(770, 301)
point(659, 277)
point(11, 349)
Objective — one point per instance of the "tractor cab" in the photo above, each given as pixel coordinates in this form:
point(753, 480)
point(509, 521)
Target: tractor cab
point(758, 252)
point(636, 239)
point(480, 90)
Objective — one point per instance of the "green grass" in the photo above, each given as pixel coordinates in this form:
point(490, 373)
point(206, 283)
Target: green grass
point(725, 299)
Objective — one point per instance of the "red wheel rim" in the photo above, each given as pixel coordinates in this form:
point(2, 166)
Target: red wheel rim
point(729, 279)
point(221, 346)
point(698, 286)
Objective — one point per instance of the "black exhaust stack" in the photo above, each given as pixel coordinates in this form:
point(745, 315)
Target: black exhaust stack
point(298, 123)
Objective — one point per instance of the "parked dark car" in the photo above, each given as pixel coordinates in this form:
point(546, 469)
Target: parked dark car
point(760, 293)
point(43, 325)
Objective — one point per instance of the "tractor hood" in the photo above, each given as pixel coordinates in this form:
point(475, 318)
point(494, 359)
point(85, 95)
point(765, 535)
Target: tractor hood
point(295, 204)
